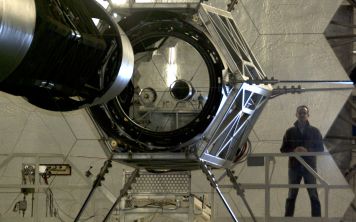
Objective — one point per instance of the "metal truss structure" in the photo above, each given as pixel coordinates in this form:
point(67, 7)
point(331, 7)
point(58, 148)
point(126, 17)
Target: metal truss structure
point(226, 35)
point(230, 129)
point(228, 132)
point(239, 94)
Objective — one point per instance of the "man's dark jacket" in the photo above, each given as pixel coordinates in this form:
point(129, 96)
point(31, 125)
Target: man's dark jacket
point(310, 139)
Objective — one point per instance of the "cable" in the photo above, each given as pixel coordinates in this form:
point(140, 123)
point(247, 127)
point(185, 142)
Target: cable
point(6, 211)
point(67, 215)
point(246, 150)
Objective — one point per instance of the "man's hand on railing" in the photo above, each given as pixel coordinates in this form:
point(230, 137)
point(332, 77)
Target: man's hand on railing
point(300, 149)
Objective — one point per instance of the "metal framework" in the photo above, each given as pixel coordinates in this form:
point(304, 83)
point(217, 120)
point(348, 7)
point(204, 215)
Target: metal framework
point(226, 35)
point(230, 128)
point(123, 192)
point(149, 193)
point(247, 90)
point(267, 185)
point(209, 174)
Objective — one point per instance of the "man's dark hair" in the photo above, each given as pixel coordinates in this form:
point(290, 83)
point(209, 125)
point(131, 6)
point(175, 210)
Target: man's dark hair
point(301, 107)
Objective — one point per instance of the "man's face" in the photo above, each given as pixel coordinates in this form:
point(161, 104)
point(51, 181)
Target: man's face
point(302, 114)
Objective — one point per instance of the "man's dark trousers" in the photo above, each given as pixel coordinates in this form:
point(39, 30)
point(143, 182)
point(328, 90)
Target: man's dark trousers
point(295, 175)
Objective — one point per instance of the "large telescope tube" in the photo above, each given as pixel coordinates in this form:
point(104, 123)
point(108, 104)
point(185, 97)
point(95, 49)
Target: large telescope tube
point(53, 54)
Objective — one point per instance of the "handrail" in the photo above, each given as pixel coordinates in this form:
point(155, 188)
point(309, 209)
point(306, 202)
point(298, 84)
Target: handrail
point(267, 185)
point(291, 154)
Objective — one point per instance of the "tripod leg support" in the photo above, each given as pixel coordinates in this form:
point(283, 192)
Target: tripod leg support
point(210, 176)
point(103, 171)
point(240, 191)
point(123, 192)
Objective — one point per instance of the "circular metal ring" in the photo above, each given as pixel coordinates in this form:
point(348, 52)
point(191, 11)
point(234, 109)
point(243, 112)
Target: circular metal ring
point(182, 90)
point(148, 96)
point(145, 29)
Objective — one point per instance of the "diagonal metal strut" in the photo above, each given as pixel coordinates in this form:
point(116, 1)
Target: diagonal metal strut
point(210, 176)
point(123, 192)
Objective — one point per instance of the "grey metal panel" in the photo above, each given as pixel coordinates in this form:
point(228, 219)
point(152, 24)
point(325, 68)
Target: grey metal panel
point(163, 183)
point(159, 160)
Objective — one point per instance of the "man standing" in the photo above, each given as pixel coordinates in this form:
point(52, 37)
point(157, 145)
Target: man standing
point(302, 137)
point(200, 101)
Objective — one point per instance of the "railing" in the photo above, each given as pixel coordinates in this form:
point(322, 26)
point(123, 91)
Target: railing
point(267, 185)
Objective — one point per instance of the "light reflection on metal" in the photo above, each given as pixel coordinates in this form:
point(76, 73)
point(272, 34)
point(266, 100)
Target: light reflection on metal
point(149, 4)
point(230, 129)
point(50, 62)
point(171, 73)
point(17, 25)
point(125, 72)
point(119, 2)
point(171, 66)
point(103, 3)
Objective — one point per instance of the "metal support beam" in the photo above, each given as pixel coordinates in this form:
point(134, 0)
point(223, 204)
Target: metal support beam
point(96, 184)
point(210, 176)
point(231, 5)
point(240, 192)
point(123, 192)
